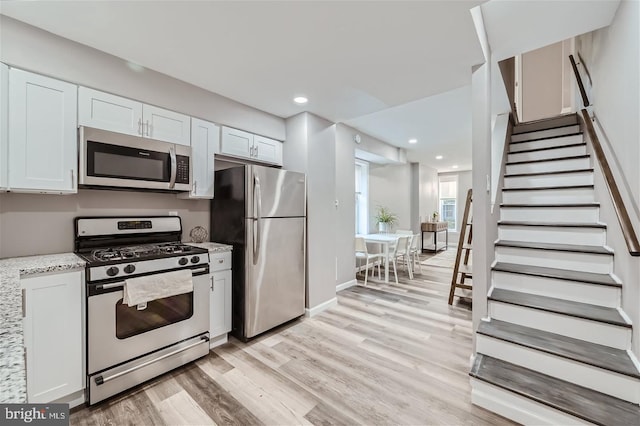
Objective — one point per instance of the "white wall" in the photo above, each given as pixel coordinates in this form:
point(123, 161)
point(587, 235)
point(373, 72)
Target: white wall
point(346, 210)
point(390, 187)
point(612, 57)
point(428, 192)
point(464, 179)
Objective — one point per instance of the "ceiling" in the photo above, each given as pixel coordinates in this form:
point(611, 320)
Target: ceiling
point(375, 65)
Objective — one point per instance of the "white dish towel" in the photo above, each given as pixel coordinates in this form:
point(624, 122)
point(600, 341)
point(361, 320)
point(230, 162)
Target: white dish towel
point(138, 291)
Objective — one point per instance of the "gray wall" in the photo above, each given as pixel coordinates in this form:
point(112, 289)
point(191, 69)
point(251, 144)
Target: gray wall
point(311, 148)
point(390, 187)
point(428, 192)
point(346, 211)
point(33, 224)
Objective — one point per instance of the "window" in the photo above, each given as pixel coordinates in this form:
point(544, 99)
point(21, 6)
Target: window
point(362, 197)
point(448, 194)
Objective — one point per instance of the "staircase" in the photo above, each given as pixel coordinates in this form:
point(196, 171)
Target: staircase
point(555, 348)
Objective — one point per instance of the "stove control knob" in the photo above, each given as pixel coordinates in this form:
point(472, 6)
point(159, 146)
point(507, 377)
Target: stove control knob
point(129, 269)
point(183, 261)
point(113, 271)
point(195, 259)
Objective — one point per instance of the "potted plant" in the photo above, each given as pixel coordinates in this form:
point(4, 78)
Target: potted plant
point(434, 216)
point(385, 219)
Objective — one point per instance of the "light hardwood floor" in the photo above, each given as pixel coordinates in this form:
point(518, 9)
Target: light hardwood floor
point(387, 354)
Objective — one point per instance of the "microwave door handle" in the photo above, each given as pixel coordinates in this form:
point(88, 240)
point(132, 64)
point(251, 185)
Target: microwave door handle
point(172, 179)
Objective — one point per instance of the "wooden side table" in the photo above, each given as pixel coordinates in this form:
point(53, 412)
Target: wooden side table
point(435, 227)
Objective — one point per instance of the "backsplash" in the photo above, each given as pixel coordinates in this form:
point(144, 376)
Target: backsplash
point(32, 224)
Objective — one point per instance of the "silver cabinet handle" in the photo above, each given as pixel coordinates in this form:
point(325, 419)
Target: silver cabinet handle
point(195, 187)
point(255, 151)
point(148, 128)
point(220, 260)
point(212, 283)
point(73, 180)
point(251, 151)
point(172, 179)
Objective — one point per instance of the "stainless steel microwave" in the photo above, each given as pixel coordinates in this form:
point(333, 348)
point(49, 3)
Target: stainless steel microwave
point(118, 160)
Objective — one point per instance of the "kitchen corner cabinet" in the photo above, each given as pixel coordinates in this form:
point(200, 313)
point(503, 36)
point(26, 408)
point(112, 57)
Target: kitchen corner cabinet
point(52, 310)
point(117, 114)
point(42, 134)
point(220, 299)
point(241, 144)
point(4, 128)
point(205, 143)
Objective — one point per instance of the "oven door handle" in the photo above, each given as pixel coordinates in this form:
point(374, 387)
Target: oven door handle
point(174, 162)
point(101, 380)
point(199, 271)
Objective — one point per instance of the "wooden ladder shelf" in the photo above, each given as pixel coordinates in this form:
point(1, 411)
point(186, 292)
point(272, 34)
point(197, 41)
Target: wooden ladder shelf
point(462, 267)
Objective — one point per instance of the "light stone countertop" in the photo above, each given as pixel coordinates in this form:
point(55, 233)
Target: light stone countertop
point(212, 247)
point(13, 382)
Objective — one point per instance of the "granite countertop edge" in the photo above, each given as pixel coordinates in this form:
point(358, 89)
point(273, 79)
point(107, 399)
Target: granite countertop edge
point(13, 383)
point(212, 246)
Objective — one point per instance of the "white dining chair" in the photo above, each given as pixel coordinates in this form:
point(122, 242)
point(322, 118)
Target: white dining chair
point(401, 250)
point(414, 252)
point(363, 254)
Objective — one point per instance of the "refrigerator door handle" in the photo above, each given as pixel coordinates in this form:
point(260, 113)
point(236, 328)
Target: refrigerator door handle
point(257, 200)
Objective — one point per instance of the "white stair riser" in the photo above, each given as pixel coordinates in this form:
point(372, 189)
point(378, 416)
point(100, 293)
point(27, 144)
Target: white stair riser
point(551, 214)
point(572, 261)
point(569, 151)
point(546, 143)
point(598, 379)
point(578, 328)
point(540, 181)
point(554, 235)
point(518, 408)
point(593, 294)
point(549, 166)
point(541, 134)
point(549, 196)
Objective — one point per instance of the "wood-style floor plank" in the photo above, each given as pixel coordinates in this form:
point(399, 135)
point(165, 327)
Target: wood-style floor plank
point(386, 354)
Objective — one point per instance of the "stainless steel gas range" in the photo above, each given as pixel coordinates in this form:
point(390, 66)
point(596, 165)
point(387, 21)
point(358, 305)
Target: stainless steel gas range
point(127, 345)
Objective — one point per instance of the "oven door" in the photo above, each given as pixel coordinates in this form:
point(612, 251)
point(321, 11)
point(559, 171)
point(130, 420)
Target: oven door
point(117, 333)
point(118, 160)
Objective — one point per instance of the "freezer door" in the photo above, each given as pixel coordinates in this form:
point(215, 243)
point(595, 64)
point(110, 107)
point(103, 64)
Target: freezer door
point(274, 273)
point(275, 192)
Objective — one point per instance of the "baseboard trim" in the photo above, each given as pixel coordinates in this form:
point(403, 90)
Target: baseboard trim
point(346, 285)
point(219, 340)
point(517, 408)
point(312, 312)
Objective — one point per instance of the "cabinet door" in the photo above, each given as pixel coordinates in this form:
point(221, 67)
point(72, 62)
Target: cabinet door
point(42, 134)
point(205, 143)
point(109, 112)
point(53, 335)
point(165, 125)
point(4, 128)
point(267, 150)
point(220, 316)
point(236, 143)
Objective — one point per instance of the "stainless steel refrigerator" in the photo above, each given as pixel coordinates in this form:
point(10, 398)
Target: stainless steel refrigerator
point(261, 211)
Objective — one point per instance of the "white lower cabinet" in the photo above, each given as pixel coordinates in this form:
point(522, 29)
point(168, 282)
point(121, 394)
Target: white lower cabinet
point(53, 318)
point(220, 296)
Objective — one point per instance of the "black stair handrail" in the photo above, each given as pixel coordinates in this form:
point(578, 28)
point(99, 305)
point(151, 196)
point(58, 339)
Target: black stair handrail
point(629, 233)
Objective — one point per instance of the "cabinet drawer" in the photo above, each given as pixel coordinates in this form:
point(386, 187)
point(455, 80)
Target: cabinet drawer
point(220, 261)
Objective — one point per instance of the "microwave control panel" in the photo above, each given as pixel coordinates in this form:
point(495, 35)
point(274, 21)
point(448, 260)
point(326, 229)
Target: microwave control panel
point(182, 172)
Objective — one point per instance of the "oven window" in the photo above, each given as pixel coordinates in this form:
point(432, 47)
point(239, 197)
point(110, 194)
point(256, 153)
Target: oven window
point(158, 313)
point(105, 160)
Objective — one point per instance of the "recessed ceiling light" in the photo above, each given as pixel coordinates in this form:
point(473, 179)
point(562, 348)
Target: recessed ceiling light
point(300, 100)
point(439, 157)
point(455, 166)
point(413, 140)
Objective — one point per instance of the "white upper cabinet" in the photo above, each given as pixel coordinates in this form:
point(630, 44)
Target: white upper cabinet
point(205, 143)
point(165, 125)
point(109, 112)
point(267, 150)
point(4, 127)
point(117, 114)
point(237, 143)
point(42, 134)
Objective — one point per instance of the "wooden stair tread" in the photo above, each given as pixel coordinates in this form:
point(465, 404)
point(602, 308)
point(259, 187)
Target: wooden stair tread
point(548, 148)
point(562, 274)
point(558, 172)
point(545, 188)
point(553, 224)
point(560, 306)
point(545, 137)
point(572, 157)
point(601, 356)
point(569, 398)
point(585, 205)
point(555, 247)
